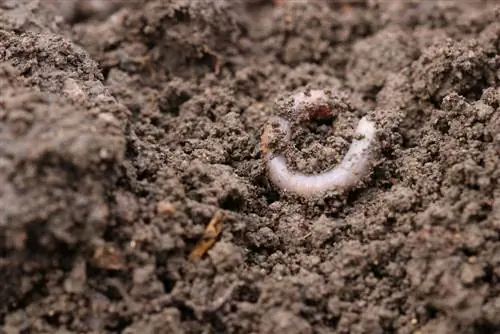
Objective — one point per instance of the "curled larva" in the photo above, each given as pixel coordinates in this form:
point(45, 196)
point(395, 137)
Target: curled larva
point(355, 165)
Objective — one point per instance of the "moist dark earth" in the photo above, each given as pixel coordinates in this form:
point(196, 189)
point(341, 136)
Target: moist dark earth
point(126, 125)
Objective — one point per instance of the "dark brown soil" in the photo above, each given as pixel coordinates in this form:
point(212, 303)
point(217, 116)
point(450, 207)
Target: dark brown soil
point(125, 125)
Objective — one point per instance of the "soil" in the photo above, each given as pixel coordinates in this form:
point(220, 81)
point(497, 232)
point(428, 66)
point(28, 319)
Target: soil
point(126, 125)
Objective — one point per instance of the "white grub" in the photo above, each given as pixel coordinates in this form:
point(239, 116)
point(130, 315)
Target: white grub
point(355, 165)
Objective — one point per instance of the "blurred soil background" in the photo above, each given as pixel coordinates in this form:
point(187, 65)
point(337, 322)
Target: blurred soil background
point(127, 125)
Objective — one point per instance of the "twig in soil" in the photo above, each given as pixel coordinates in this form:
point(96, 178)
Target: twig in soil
point(210, 235)
point(355, 165)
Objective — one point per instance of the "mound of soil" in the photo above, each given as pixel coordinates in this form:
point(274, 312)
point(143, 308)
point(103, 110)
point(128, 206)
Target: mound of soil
point(127, 125)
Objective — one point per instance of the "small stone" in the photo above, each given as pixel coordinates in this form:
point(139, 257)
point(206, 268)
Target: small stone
point(104, 154)
point(165, 208)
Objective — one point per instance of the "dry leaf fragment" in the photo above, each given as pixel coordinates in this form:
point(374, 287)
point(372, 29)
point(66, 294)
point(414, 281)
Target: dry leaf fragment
point(210, 235)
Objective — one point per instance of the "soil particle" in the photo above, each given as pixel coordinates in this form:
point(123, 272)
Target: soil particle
point(168, 321)
point(322, 230)
point(374, 58)
point(280, 321)
point(125, 126)
point(126, 207)
point(462, 67)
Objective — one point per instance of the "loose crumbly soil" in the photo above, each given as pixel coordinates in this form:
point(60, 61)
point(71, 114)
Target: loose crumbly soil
point(125, 125)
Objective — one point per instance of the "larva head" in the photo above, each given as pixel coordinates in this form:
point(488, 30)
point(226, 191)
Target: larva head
point(312, 104)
